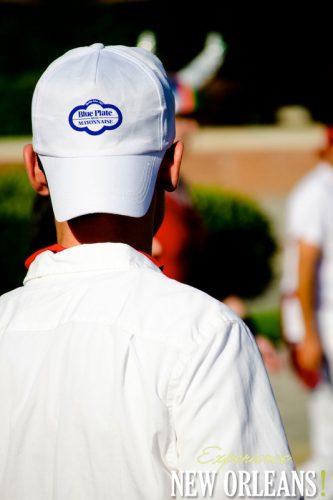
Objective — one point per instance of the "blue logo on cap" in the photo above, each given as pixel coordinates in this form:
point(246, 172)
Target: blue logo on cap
point(95, 117)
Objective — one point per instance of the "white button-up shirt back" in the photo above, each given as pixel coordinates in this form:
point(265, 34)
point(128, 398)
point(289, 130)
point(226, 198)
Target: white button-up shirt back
point(112, 375)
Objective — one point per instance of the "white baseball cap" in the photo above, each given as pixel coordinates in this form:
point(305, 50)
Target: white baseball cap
point(102, 119)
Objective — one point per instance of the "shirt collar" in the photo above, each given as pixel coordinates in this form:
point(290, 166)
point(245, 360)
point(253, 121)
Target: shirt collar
point(93, 257)
point(53, 248)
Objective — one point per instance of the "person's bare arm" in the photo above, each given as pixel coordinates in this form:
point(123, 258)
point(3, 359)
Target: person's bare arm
point(308, 353)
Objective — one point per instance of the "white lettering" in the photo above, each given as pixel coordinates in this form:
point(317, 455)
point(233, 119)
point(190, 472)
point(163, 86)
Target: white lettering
point(255, 487)
point(190, 490)
point(177, 482)
point(245, 484)
point(189, 483)
point(309, 475)
point(297, 481)
point(269, 483)
point(283, 486)
point(207, 482)
point(244, 480)
point(230, 491)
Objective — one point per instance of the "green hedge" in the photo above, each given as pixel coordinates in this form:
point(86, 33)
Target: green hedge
point(238, 256)
point(16, 198)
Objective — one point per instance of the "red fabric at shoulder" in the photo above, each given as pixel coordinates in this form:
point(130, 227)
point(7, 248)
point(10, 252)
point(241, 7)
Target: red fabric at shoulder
point(53, 248)
point(154, 261)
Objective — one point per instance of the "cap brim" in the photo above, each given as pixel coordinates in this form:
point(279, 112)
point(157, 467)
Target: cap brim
point(122, 185)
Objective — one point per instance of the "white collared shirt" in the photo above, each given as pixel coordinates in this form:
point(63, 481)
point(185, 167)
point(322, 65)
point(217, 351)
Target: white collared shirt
point(113, 375)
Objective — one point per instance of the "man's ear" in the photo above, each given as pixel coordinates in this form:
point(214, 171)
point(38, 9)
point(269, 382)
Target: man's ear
point(168, 176)
point(36, 176)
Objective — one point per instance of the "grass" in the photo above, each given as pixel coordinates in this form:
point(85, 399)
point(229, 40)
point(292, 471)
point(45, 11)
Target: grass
point(267, 322)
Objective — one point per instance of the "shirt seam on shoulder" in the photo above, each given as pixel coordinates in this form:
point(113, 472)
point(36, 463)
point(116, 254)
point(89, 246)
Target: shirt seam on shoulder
point(180, 366)
point(183, 360)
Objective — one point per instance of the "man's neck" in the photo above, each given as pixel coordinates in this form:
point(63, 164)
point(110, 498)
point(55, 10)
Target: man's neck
point(101, 228)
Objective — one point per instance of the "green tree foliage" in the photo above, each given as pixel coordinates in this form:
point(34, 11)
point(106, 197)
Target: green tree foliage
point(238, 255)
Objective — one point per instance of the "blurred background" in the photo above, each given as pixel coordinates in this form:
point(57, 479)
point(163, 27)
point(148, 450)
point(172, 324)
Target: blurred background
point(278, 54)
point(259, 124)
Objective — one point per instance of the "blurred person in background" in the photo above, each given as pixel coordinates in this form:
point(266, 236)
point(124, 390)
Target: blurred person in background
point(307, 300)
point(181, 237)
point(179, 242)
